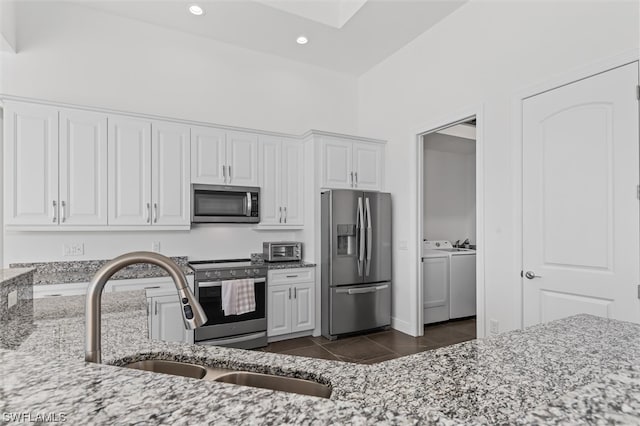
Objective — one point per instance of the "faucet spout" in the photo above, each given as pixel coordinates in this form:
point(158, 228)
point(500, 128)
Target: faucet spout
point(192, 313)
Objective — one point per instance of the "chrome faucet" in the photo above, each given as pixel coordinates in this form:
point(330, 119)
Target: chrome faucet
point(192, 313)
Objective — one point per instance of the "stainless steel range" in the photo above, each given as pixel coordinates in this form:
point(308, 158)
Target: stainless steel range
point(247, 330)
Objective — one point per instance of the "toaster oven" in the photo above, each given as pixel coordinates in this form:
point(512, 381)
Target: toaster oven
point(282, 251)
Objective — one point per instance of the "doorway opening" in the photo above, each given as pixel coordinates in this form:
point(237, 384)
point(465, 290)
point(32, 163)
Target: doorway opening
point(448, 207)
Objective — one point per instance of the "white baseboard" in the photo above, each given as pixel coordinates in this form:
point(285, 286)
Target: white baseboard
point(403, 326)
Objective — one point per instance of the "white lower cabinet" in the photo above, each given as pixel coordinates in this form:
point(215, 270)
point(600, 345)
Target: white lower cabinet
point(290, 301)
point(166, 322)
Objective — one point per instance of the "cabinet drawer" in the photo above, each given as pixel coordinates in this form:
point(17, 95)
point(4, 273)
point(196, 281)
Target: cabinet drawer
point(287, 276)
point(53, 290)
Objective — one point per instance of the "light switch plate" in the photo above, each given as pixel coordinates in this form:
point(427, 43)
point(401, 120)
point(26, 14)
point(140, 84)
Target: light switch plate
point(12, 298)
point(155, 246)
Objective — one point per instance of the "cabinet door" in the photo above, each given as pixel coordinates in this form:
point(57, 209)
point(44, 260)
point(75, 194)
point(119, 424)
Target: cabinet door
point(293, 182)
point(368, 165)
point(270, 155)
point(242, 159)
point(208, 151)
point(31, 164)
point(166, 319)
point(170, 153)
point(336, 163)
point(279, 310)
point(303, 307)
point(129, 171)
point(83, 168)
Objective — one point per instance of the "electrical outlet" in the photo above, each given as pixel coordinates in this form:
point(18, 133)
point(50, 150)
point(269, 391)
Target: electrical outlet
point(12, 299)
point(494, 326)
point(76, 249)
point(155, 246)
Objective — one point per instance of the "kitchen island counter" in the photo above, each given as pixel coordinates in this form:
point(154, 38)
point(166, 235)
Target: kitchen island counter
point(547, 372)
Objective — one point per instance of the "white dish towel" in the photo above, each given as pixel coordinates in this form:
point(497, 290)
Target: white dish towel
point(238, 297)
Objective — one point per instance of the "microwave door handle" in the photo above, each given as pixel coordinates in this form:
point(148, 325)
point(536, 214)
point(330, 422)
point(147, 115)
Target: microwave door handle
point(248, 213)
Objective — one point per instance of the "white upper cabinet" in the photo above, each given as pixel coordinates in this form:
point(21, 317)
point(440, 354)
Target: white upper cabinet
point(292, 194)
point(83, 168)
point(170, 165)
point(242, 159)
point(368, 165)
point(337, 171)
point(31, 164)
point(208, 155)
point(129, 171)
point(149, 170)
point(222, 157)
point(351, 164)
point(281, 181)
point(56, 164)
point(270, 154)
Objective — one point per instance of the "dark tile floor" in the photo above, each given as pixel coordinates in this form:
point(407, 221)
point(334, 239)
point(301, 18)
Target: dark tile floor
point(378, 346)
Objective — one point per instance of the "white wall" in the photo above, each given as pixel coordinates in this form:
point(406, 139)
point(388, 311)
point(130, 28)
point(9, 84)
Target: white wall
point(69, 53)
point(481, 54)
point(7, 26)
point(449, 188)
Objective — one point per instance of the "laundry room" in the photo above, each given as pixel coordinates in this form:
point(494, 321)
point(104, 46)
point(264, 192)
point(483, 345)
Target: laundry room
point(449, 224)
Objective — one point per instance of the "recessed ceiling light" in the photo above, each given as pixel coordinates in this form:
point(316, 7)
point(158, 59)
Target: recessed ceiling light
point(302, 40)
point(196, 10)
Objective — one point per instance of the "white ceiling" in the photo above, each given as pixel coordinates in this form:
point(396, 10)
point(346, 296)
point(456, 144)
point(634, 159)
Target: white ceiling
point(348, 36)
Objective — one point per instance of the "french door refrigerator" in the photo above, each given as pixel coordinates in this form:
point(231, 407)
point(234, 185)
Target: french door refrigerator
point(356, 261)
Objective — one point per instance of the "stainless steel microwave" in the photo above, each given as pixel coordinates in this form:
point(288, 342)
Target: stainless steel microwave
point(225, 204)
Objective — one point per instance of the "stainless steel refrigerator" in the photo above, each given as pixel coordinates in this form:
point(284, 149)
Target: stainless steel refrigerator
point(356, 261)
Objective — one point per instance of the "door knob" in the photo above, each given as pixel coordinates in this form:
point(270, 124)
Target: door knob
point(531, 275)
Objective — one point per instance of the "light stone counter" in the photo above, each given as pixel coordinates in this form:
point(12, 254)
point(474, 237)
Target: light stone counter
point(575, 370)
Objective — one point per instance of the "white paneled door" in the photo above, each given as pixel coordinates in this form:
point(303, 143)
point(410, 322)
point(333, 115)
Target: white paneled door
point(293, 182)
point(270, 180)
point(242, 159)
point(368, 165)
point(171, 170)
point(31, 164)
point(129, 171)
point(581, 237)
point(83, 168)
point(208, 155)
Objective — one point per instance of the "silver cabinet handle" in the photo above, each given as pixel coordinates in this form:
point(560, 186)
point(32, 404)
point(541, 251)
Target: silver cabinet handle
point(280, 219)
point(351, 179)
point(156, 308)
point(289, 292)
point(285, 215)
point(55, 219)
point(356, 181)
point(148, 212)
point(224, 173)
point(531, 275)
point(155, 212)
point(295, 292)
point(292, 276)
point(229, 168)
point(62, 212)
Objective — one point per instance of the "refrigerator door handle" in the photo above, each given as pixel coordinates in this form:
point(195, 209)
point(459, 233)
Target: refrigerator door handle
point(369, 244)
point(363, 290)
point(360, 235)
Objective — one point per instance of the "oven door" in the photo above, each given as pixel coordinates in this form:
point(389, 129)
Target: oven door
point(224, 204)
point(218, 325)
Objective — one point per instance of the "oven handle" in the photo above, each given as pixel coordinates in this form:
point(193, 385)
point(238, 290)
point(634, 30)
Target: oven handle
point(219, 283)
point(232, 340)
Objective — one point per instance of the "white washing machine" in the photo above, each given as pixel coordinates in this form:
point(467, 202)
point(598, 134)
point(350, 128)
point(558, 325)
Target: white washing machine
point(461, 277)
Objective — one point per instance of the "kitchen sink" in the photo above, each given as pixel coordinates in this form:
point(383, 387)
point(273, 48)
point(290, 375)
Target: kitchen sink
point(279, 383)
point(225, 375)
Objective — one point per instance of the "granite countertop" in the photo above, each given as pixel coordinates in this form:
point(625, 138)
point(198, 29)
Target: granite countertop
point(84, 270)
point(287, 265)
point(7, 275)
point(579, 369)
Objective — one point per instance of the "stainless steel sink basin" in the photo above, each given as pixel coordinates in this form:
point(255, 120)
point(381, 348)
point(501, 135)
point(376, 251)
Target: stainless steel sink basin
point(225, 375)
point(279, 383)
point(170, 367)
